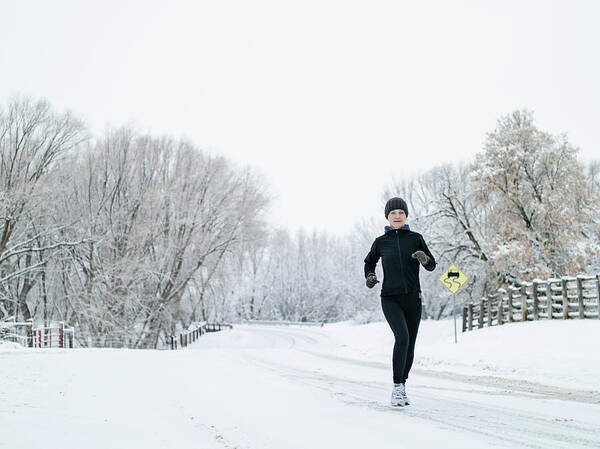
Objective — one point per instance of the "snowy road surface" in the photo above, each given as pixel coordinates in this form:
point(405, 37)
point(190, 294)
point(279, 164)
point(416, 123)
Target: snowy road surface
point(276, 387)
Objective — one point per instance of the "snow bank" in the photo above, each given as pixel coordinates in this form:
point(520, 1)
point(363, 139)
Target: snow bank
point(6, 346)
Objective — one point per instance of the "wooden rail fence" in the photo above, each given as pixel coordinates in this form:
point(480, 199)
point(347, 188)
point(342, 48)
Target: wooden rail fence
point(191, 335)
point(564, 298)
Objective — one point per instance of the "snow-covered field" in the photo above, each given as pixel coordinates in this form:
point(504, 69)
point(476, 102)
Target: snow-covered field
point(277, 387)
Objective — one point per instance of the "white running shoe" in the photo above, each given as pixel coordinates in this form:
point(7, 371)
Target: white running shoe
point(399, 395)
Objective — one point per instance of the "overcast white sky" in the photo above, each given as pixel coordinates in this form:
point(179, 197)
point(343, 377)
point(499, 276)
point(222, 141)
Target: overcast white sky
point(330, 99)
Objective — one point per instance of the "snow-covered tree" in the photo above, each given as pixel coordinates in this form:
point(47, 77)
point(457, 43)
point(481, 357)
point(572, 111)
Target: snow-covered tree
point(536, 189)
point(33, 139)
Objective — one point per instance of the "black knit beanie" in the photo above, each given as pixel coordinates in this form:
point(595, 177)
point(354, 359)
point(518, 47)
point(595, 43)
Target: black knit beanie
point(395, 203)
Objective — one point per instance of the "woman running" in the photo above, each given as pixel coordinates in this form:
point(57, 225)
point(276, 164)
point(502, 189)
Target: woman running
point(401, 251)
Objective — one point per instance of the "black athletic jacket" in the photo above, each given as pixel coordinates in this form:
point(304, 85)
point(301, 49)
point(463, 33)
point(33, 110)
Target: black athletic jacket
point(400, 270)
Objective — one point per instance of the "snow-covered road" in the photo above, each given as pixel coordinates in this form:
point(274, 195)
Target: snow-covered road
point(504, 412)
point(274, 387)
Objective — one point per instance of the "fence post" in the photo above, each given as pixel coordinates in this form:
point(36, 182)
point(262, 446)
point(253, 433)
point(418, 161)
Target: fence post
point(565, 300)
point(580, 298)
point(500, 308)
point(490, 312)
point(598, 294)
point(523, 302)
point(549, 300)
point(481, 309)
point(510, 305)
point(535, 300)
point(464, 318)
point(470, 308)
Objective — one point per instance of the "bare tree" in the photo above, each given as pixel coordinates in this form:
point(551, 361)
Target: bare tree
point(33, 138)
point(157, 211)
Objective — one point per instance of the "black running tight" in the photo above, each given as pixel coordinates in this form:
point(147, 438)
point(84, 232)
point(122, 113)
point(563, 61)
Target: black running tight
point(403, 314)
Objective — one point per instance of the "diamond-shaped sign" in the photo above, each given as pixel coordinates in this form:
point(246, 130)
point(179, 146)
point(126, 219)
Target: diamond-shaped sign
point(453, 279)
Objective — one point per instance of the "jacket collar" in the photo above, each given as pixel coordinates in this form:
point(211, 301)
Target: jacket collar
point(405, 227)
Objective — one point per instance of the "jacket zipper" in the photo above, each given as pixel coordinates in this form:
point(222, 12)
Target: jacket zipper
point(400, 256)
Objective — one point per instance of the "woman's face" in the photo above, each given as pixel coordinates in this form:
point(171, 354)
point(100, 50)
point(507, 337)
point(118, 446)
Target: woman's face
point(397, 218)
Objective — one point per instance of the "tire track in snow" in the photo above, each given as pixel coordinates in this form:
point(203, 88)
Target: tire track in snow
point(503, 424)
point(523, 386)
point(498, 423)
point(290, 335)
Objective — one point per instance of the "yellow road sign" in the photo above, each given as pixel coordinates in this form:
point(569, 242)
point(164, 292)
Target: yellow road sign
point(453, 279)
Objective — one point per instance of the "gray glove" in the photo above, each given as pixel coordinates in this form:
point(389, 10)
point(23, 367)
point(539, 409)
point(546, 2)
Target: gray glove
point(421, 257)
point(371, 280)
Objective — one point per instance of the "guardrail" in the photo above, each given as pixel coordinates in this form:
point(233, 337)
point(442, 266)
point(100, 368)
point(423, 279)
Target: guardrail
point(280, 323)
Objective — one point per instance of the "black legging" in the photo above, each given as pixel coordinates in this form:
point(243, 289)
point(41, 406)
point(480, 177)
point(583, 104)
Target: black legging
point(403, 314)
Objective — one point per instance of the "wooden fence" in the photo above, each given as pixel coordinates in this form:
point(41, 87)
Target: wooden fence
point(194, 333)
point(564, 298)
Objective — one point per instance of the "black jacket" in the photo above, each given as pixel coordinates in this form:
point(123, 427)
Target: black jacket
point(400, 270)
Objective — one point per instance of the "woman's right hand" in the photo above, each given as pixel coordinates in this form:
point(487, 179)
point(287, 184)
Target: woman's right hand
point(371, 280)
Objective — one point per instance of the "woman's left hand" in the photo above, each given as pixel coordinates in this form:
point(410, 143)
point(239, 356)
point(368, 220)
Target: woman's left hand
point(421, 257)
